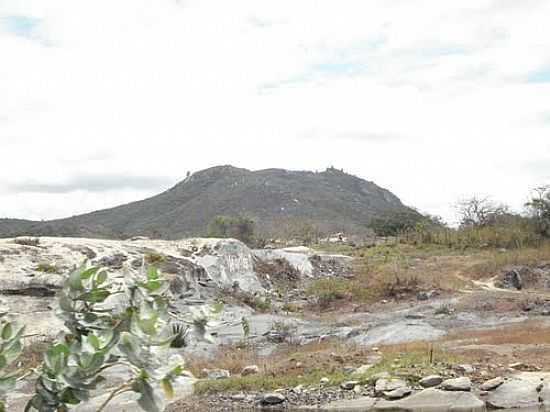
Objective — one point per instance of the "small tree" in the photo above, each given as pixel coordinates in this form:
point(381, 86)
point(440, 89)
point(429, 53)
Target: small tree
point(539, 206)
point(240, 228)
point(479, 212)
point(394, 223)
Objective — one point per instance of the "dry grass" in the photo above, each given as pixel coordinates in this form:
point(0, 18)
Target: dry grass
point(531, 333)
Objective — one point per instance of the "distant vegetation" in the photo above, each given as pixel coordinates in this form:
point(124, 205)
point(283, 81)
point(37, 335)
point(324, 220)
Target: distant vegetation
point(240, 228)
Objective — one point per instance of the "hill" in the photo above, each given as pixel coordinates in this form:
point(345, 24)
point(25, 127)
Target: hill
point(274, 198)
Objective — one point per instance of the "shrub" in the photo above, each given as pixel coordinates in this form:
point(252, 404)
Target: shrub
point(10, 349)
point(240, 228)
point(27, 241)
point(46, 267)
point(112, 323)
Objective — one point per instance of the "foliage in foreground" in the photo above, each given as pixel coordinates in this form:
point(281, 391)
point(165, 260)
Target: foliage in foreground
point(110, 322)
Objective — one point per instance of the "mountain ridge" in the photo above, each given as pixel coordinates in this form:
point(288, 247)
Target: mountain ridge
point(330, 200)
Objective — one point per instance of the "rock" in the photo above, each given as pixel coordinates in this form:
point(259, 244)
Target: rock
point(273, 398)
point(356, 405)
point(349, 385)
point(511, 280)
point(361, 370)
point(492, 384)
point(324, 381)
point(434, 400)
point(388, 385)
point(465, 368)
point(431, 381)
point(399, 332)
point(216, 373)
point(398, 393)
point(380, 375)
point(250, 370)
point(239, 397)
point(298, 389)
point(522, 390)
point(415, 316)
point(518, 366)
point(457, 384)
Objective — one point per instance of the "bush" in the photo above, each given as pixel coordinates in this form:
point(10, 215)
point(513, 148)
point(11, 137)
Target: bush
point(394, 223)
point(27, 241)
point(45, 267)
point(108, 323)
point(240, 228)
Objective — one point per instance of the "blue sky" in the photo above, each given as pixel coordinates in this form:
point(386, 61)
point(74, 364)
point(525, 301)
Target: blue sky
point(20, 25)
point(106, 102)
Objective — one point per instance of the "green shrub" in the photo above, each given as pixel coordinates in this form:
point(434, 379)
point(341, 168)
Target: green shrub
point(10, 349)
point(240, 228)
point(46, 267)
point(108, 324)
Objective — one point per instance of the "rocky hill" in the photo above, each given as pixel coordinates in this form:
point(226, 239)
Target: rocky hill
point(331, 201)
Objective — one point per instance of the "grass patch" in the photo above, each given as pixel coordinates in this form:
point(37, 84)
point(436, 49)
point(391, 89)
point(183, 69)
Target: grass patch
point(291, 365)
point(154, 259)
point(46, 267)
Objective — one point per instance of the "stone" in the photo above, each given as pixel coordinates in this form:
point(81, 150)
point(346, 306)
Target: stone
point(492, 384)
point(521, 390)
point(431, 381)
point(361, 370)
point(398, 393)
point(273, 398)
point(250, 370)
point(348, 370)
point(349, 385)
point(457, 384)
point(465, 368)
point(324, 381)
point(389, 385)
point(433, 400)
point(216, 373)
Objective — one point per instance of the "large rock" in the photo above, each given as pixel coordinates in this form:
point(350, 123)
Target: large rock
point(388, 385)
point(430, 381)
point(30, 274)
point(428, 400)
point(434, 400)
point(457, 384)
point(523, 390)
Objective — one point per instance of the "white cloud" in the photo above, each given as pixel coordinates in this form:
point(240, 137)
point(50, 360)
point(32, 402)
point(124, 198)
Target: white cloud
point(157, 88)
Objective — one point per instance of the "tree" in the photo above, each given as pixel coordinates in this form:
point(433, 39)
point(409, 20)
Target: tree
point(394, 223)
point(240, 228)
point(539, 206)
point(479, 212)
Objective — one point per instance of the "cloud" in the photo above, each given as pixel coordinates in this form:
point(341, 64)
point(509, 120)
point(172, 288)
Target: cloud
point(154, 89)
point(92, 183)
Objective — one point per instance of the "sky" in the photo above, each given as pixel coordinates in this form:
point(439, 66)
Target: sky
point(106, 102)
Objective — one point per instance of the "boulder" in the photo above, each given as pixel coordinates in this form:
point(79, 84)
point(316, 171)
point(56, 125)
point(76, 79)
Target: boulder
point(433, 400)
point(388, 385)
point(492, 384)
point(216, 373)
point(273, 398)
point(250, 370)
point(522, 390)
point(349, 385)
point(457, 384)
point(398, 393)
point(431, 381)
